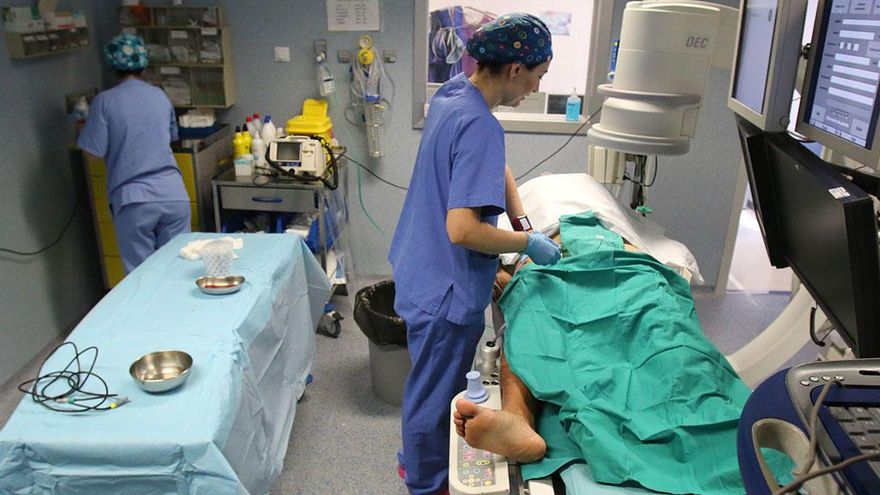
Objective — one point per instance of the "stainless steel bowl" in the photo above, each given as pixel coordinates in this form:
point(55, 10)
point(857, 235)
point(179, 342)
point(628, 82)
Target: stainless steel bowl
point(161, 371)
point(220, 285)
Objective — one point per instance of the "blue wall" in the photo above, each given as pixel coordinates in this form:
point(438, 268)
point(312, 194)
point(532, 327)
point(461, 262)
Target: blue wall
point(44, 295)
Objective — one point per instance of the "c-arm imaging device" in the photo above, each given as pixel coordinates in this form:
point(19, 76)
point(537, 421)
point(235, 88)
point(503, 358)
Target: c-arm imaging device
point(657, 86)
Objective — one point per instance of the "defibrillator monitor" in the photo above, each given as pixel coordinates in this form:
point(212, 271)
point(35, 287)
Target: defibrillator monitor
point(839, 105)
point(299, 154)
point(287, 153)
point(765, 66)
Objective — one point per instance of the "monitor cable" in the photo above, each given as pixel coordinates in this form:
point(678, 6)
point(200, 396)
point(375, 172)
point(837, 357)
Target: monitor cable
point(366, 169)
point(65, 390)
point(813, 335)
point(551, 155)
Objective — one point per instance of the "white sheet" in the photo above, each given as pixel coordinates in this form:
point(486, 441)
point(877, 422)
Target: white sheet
point(548, 197)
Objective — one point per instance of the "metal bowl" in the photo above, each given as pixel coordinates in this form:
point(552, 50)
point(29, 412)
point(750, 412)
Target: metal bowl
point(161, 371)
point(220, 285)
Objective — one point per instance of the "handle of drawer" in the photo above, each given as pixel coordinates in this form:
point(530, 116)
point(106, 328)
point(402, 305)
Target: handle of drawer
point(266, 199)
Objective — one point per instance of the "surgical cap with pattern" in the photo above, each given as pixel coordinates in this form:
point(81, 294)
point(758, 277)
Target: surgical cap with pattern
point(126, 53)
point(512, 38)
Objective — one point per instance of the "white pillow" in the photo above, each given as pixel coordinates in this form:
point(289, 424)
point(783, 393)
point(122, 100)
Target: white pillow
point(548, 197)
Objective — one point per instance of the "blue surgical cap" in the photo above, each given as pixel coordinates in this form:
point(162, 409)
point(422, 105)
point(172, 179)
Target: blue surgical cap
point(126, 53)
point(512, 38)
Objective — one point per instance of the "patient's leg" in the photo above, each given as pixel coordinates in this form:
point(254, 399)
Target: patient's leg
point(509, 432)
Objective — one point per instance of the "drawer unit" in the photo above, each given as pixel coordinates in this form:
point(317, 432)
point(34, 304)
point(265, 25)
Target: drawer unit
point(267, 199)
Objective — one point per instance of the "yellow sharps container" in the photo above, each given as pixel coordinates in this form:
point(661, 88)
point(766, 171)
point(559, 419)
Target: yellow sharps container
point(314, 121)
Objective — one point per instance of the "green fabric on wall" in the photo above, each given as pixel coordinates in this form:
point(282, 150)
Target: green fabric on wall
point(609, 340)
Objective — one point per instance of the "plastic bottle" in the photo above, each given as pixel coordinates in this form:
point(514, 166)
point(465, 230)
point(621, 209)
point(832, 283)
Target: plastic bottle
point(258, 121)
point(246, 136)
point(267, 133)
point(326, 83)
point(237, 143)
point(81, 109)
point(573, 107)
point(258, 149)
point(252, 127)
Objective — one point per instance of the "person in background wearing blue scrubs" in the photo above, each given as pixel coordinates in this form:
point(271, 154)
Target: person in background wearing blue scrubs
point(131, 127)
point(444, 251)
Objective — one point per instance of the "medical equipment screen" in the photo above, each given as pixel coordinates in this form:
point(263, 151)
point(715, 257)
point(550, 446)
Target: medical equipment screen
point(829, 232)
point(288, 151)
point(753, 59)
point(761, 183)
point(846, 72)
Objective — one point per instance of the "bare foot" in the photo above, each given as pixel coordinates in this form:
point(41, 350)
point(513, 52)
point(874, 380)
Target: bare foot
point(501, 432)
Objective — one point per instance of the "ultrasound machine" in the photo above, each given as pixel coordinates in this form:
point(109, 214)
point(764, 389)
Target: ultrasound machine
point(817, 212)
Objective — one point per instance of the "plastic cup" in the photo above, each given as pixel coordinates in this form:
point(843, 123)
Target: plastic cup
point(217, 255)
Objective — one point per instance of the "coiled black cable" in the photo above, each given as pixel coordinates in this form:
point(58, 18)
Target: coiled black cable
point(65, 390)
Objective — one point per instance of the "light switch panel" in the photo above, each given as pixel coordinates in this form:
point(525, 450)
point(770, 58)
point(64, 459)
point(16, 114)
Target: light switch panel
point(282, 54)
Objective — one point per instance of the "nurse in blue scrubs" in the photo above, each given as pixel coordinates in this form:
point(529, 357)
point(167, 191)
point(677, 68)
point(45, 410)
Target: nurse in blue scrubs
point(131, 127)
point(445, 250)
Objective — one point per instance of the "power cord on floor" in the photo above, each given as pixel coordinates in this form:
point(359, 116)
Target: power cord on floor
point(54, 243)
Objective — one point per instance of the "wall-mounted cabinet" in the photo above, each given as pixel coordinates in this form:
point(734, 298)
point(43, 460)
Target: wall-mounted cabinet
point(29, 35)
point(190, 53)
point(30, 45)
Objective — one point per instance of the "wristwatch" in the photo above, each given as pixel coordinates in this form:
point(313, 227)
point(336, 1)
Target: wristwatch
point(522, 224)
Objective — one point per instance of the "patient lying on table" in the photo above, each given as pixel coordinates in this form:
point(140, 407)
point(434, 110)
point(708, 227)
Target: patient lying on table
point(604, 357)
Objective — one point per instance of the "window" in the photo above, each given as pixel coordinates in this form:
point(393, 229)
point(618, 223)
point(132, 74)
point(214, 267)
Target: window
point(581, 38)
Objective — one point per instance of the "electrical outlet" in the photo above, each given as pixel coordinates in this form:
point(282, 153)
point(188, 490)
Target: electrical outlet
point(389, 56)
point(343, 56)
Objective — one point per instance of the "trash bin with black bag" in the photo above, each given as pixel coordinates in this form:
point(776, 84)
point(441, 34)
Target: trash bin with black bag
point(386, 331)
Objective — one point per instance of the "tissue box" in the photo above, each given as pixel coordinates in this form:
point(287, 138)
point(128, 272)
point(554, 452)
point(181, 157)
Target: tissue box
point(22, 20)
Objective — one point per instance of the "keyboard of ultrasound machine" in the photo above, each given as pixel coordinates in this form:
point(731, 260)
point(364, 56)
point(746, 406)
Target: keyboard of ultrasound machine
point(861, 422)
point(849, 416)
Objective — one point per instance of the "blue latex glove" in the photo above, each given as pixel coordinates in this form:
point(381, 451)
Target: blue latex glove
point(542, 250)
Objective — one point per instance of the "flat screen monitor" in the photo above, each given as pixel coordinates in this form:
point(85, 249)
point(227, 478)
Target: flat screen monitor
point(758, 169)
point(829, 233)
point(765, 66)
point(839, 105)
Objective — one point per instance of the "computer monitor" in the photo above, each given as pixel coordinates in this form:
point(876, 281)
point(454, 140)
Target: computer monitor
point(758, 169)
point(839, 104)
point(765, 65)
point(828, 231)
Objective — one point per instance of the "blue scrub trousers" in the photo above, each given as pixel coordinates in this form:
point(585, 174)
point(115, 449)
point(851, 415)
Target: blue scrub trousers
point(441, 353)
point(142, 228)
